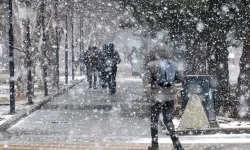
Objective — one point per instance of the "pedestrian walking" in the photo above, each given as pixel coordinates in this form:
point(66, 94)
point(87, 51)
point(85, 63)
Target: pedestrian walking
point(134, 61)
point(159, 80)
point(101, 66)
point(90, 59)
point(109, 59)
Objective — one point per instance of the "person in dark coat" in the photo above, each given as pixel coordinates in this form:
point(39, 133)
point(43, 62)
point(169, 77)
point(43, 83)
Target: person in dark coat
point(101, 66)
point(109, 58)
point(162, 98)
point(90, 59)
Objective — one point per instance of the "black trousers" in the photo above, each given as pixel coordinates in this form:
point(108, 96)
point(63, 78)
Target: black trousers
point(166, 108)
point(103, 75)
point(90, 73)
point(109, 80)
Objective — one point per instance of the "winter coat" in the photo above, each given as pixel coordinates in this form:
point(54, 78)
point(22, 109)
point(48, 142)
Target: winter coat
point(153, 91)
point(91, 58)
point(104, 56)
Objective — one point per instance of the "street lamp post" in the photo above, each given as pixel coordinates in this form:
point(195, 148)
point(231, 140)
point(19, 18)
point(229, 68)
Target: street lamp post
point(11, 61)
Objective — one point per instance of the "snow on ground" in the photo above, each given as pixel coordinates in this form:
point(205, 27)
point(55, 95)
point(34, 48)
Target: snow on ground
point(4, 118)
point(124, 74)
point(236, 124)
point(22, 105)
point(134, 79)
point(223, 124)
point(19, 107)
point(62, 78)
point(216, 138)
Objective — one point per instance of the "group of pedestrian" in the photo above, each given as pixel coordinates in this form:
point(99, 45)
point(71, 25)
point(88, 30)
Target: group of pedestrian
point(102, 64)
point(159, 78)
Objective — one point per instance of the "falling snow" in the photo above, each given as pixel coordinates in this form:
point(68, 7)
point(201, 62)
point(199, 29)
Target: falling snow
point(85, 73)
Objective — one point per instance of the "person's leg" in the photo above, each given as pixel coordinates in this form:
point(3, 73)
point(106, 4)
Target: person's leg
point(113, 80)
point(104, 79)
point(132, 68)
point(95, 72)
point(89, 77)
point(108, 79)
point(155, 112)
point(167, 112)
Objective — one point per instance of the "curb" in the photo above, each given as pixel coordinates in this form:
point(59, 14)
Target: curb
point(214, 131)
point(25, 113)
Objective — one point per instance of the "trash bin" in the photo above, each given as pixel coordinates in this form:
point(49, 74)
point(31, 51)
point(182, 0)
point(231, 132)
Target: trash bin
point(204, 86)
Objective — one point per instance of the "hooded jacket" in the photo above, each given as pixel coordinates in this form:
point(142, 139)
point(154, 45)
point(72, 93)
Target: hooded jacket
point(90, 58)
point(107, 54)
point(153, 91)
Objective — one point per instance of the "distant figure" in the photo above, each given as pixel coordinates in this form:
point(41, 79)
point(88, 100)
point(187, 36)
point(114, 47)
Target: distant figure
point(134, 61)
point(90, 59)
point(109, 58)
point(159, 85)
point(102, 66)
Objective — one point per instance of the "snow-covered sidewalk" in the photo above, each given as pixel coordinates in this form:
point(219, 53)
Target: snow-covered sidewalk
point(129, 93)
point(23, 109)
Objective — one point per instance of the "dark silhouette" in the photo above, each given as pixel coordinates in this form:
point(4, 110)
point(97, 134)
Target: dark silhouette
point(90, 59)
point(109, 58)
point(162, 97)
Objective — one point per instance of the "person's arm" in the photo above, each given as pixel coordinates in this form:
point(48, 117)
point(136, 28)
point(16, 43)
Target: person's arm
point(117, 58)
point(101, 61)
point(129, 57)
point(147, 79)
point(179, 73)
point(85, 58)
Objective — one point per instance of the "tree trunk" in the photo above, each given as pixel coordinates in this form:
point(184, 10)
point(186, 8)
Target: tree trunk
point(11, 61)
point(242, 92)
point(57, 45)
point(196, 58)
point(28, 58)
point(66, 50)
point(43, 49)
point(81, 47)
point(72, 46)
point(221, 73)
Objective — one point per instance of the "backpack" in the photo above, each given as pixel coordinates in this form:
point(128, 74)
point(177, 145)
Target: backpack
point(166, 73)
point(109, 62)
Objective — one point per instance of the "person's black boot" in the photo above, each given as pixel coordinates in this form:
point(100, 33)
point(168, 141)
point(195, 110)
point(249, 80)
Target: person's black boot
point(104, 86)
point(154, 147)
point(176, 143)
point(179, 148)
point(94, 85)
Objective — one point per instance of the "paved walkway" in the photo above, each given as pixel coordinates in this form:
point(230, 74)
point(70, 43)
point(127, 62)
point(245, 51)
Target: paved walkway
point(71, 121)
point(85, 118)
